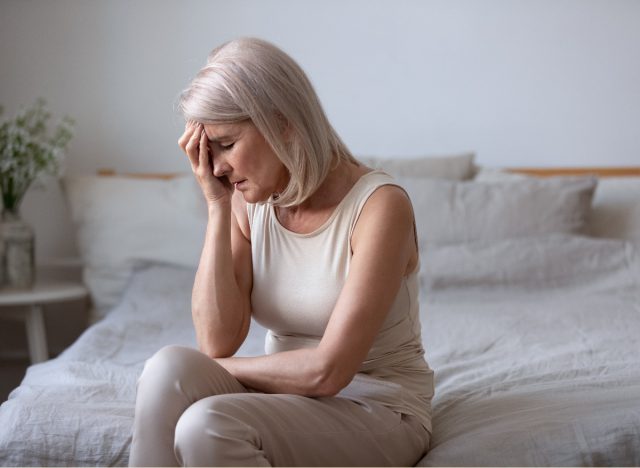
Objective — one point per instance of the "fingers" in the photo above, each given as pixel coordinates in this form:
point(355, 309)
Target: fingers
point(191, 144)
point(188, 131)
point(203, 155)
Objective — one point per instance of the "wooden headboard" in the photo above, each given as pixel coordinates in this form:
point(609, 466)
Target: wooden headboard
point(137, 175)
point(577, 171)
point(631, 171)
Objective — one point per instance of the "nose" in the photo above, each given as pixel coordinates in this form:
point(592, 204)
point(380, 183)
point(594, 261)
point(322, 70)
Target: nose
point(220, 167)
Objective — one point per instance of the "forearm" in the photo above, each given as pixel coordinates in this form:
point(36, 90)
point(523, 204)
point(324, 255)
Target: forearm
point(299, 372)
point(220, 312)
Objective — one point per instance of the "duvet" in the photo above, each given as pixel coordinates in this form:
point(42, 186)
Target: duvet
point(535, 344)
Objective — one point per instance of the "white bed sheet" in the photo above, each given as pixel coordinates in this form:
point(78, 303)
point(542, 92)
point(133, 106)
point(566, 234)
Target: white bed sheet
point(77, 409)
point(536, 350)
point(534, 343)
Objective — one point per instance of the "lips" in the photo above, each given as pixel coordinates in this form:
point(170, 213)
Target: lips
point(238, 183)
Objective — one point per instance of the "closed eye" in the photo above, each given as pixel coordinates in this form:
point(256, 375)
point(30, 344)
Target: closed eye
point(217, 143)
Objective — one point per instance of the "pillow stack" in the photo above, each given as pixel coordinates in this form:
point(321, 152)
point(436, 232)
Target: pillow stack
point(615, 209)
point(449, 167)
point(125, 223)
point(449, 212)
point(451, 209)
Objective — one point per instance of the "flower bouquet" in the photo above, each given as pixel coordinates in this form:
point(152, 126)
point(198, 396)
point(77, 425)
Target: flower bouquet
point(27, 150)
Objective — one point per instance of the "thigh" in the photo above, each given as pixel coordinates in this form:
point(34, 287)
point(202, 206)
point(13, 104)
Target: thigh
point(172, 380)
point(292, 430)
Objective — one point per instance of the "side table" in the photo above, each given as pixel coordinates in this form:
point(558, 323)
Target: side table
point(31, 302)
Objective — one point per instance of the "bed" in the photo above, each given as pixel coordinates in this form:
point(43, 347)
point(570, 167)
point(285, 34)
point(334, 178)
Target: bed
point(530, 309)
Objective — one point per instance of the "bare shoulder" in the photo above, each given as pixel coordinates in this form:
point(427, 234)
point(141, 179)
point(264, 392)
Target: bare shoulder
point(388, 208)
point(389, 201)
point(386, 227)
point(239, 210)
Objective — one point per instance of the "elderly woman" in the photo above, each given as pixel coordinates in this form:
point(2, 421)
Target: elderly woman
point(319, 249)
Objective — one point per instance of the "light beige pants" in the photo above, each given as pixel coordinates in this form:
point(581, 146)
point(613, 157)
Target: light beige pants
point(190, 411)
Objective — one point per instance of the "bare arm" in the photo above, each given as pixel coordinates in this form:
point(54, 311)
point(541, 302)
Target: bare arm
point(221, 294)
point(384, 250)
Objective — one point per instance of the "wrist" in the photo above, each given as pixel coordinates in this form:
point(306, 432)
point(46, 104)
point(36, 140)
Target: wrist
point(219, 205)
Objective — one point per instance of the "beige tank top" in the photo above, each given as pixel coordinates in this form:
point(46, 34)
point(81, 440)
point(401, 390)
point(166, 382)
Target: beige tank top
point(296, 282)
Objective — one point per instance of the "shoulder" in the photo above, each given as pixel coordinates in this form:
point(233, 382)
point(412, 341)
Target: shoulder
point(388, 200)
point(387, 208)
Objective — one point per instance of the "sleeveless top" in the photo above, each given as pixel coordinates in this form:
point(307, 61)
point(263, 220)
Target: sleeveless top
point(296, 282)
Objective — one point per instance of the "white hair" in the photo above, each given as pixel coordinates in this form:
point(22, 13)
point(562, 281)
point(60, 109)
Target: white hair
point(250, 78)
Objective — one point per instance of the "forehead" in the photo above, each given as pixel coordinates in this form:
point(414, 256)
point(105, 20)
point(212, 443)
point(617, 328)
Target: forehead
point(221, 131)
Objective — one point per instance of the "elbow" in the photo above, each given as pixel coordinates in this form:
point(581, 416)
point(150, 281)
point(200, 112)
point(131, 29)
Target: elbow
point(220, 340)
point(326, 390)
point(330, 380)
point(217, 347)
point(216, 352)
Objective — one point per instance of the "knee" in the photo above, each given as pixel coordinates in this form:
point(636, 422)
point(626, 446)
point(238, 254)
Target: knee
point(217, 418)
point(212, 432)
point(169, 364)
point(192, 431)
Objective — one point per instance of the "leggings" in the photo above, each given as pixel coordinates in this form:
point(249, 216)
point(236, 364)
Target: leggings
point(191, 412)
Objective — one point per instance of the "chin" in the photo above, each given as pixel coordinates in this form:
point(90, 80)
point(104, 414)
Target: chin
point(252, 197)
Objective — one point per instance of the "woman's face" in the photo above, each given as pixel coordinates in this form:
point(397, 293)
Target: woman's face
point(240, 153)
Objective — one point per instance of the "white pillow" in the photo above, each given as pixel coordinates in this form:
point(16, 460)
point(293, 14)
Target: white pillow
point(449, 212)
point(553, 260)
point(615, 212)
point(123, 223)
point(453, 167)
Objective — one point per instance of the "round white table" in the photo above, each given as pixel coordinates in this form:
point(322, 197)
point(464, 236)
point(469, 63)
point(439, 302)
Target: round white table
point(31, 302)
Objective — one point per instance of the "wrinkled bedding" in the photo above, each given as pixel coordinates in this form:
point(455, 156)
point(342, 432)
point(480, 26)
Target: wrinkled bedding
point(536, 350)
point(77, 409)
point(535, 344)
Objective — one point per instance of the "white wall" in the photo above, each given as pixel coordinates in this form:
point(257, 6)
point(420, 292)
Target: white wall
point(523, 83)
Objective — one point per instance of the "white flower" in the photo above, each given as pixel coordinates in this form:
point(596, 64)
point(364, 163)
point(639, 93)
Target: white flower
point(27, 150)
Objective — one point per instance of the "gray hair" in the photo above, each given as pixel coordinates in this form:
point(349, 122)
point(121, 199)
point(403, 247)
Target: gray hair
point(250, 78)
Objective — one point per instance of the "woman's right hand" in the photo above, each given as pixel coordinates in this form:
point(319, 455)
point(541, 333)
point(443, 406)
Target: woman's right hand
point(194, 143)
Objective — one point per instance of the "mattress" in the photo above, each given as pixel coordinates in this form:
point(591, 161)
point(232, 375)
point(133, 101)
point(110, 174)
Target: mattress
point(535, 344)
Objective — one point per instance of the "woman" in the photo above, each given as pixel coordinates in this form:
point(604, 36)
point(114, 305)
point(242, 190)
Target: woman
point(316, 247)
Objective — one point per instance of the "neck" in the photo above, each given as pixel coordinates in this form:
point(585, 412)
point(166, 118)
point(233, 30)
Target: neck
point(326, 198)
point(310, 214)
point(332, 190)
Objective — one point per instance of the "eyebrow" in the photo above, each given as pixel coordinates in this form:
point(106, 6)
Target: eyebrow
point(219, 138)
point(227, 136)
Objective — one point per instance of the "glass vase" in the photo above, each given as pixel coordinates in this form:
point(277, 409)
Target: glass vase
point(18, 241)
